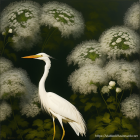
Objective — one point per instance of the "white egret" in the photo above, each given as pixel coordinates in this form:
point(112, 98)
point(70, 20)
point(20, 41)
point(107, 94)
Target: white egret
point(57, 106)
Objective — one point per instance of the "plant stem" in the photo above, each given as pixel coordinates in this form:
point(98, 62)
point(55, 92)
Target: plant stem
point(105, 103)
point(47, 40)
point(106, 106)
point(14, 118)
point(119, 102)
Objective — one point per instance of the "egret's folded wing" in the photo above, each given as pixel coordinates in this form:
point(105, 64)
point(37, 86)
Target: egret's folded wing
point(64, 108)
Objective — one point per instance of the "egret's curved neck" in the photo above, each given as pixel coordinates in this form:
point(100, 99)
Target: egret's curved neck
point(42, 81)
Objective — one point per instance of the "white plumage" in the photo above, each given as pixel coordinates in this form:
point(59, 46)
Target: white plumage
point(57, 106)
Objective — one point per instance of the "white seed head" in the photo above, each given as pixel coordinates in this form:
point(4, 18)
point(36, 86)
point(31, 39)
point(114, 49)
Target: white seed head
point(130, 107)
point(86, 79)
point(132, 16)
point(125, 73)
point(70, 21)
point(28, 103)
point(14, 83)
point(107, 42)
point(5, 65)
point(5, 110)
point(87, 52)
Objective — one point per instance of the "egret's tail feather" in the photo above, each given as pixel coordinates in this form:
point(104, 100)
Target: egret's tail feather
point(78, 128)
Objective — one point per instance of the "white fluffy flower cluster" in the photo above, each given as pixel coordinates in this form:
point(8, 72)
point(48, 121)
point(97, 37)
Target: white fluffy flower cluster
point(87, 52)
point(14, 83)
point(130, 107)
point(124, 72)
point(5, 111)
point(5, 65)
point(132, 16)
point(66, 19)
point(86, 78)
point(29, 104)
point(118, 41)
point(23, 19)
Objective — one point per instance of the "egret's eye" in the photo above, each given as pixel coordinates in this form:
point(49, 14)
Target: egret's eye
point(41, 55)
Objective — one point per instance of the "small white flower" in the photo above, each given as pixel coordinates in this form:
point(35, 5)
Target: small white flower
point(118, 90)
point(10, 31)
point(118, 40)
point(3, 33)
point(113, 43)
point(112, 83)
point(105, 89)
point(109, 87)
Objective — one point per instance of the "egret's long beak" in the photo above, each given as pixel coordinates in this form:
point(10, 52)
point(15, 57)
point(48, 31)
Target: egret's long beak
point(32, 56)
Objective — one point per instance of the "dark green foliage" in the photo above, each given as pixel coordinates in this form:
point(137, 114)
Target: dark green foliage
point(103, 115)
point(42, 130)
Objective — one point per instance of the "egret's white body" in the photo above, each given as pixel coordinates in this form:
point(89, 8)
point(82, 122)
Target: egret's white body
point(57, 106)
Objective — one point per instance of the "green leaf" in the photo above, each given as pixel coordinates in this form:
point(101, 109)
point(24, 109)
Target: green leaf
point(84, 100)
point(126, 124)
point(38, 123)
point(48, 125)
point(110, 129)
point(88, 106)
point(6, 129)
point(117, 121)
point(10, 39)
point(91, 125)
point(2, 134)
point(26, 131)
point(20, 121)
point(48, 120)
point(111, 106)
point(73, 97)
point(99, 119)
point(12, 125)
point(106, 117)
point(97, 104)
point(41, 134)
point(81, 96)
point(111, 99)
point(31, 134)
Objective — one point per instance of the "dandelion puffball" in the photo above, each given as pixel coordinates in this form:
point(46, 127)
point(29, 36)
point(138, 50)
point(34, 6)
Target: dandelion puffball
point(86, 78)
point(66, 19)
point(25, 28)
point(130, 107)
point(87, 52)
point(118, 41)
point(5, 65)
point(125, 73)
point(14, 83)
point(28, 104)
point(132, 16)
point(5, 110)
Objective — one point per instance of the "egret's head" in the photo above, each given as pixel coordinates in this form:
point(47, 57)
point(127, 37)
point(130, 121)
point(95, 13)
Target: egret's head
point(40, 56)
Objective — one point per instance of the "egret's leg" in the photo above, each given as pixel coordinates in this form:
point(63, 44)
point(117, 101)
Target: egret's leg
point(63, 133)
point(54, 128)
point(60, 120)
